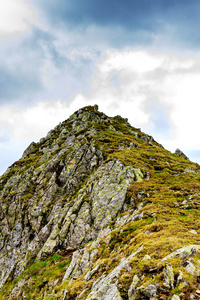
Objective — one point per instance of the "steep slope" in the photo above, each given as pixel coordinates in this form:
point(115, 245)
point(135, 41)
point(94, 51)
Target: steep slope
point(99, 210)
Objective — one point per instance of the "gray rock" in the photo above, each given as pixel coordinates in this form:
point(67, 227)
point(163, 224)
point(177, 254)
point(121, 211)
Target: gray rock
point(147, 257)
point(90, 273)
point(108, 187)
point(29, 149)
point(109, 192)
point(148, 139)
point(81, 262)
point(180, 153)
point(147, 232)
point(183, 253)
point(181, 283)
point(149, 291)
point(133, 145)
point(96, 108)
point(73, 265)
point(175, 297)
point(189, 170)
point(184, 202)
point(193, 231)
point(168, 276)
point(132, 288)
point(191, 268)
point(106, 286)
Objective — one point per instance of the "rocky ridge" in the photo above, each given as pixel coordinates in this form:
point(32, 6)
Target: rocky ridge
point(99, 210)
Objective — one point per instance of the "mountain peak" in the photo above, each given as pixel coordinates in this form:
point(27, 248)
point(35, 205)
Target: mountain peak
point(98, 209)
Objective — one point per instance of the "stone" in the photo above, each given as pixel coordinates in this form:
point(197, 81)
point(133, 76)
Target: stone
point(184, 202)
point(90, 273)
point(29, 149)
point(168, 276)
point(191, 268)
point(148, 139)
point(149, 291)
point(65, 294)
point(75, 259)
point(181, 283)
point(189, 170)
point(109, 192)
point(183, 253)
point(132, 288)
point(106, 286)
point(133, 145)
point(147, 257)
point(107, 293)
point(180, 153)
point(96, 108)
point(193, 231)
point(179, 278)
point(175, 297)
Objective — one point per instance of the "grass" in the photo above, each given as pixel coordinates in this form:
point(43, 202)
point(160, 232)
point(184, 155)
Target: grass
point(38, 275)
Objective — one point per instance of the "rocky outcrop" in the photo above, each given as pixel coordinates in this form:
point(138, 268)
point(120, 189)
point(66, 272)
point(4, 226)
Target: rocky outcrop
point(180, 153)
point(105, 287)
point(38, 228)
point(99, 210)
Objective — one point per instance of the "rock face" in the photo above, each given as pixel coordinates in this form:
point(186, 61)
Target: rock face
point(99, 210)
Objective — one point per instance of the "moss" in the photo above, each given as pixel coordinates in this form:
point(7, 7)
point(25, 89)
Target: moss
point(124, 282)
point(43, 271)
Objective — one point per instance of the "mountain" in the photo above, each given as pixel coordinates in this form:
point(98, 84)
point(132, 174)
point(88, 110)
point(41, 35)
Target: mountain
point(99, 210)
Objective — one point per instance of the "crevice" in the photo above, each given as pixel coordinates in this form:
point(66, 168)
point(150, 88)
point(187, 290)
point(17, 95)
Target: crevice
point(58, 170)
point(43, 284)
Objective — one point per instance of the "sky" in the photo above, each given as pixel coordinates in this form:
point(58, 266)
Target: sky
point(136, 58)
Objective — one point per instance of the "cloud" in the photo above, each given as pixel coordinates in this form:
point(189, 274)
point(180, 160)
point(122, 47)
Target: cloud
point(56, 60)
point(32, 122)
point(20, 67)
point(132, 14)
point(159, 23)
point(39, 66)
point(155, 91)
point(15, 17)
point(20, 126)
point(17, 83)
point(158, 92)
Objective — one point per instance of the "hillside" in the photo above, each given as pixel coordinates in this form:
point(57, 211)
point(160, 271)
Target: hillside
point(99, 210)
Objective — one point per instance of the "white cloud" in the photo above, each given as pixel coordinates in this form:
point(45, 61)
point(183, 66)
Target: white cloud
point(167, 85)
point(162, 98)
point(33, 122)
point(20, 126)
point(131, 61)
point(15, 16)
point(186, 107)
point(141, 84)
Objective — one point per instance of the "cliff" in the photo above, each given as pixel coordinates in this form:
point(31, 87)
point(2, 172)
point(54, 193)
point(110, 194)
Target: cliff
point(99, 210)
